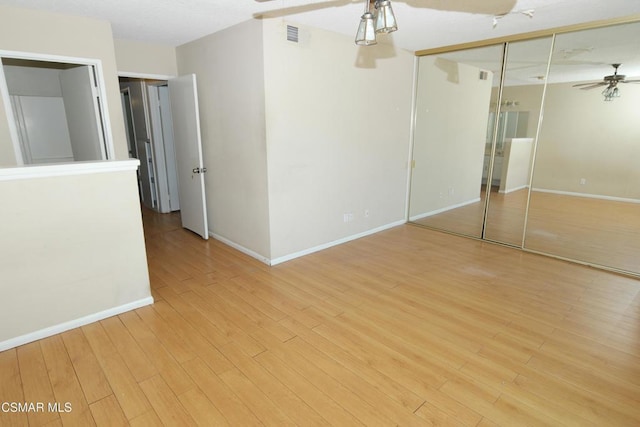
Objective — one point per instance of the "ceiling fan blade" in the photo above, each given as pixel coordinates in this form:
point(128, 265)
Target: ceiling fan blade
point(588, 84)
point(594, 85)
point(629, 81)
point(484, 7)
point(276, 13)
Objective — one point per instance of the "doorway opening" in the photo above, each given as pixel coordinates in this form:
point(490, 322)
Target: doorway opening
point(149, 127)
point(163, 129)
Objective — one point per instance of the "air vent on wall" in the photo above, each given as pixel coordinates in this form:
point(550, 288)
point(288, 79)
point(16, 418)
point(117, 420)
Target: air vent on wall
point(292, 33)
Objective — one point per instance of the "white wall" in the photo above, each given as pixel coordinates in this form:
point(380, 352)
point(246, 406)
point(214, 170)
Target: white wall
point(138, 58)
point(32, 81)
point(452, 112)
point(584, 137)
point(337, 136)
point(292, 137)
point(70, 248)
point(230, 78)
point(36, 31)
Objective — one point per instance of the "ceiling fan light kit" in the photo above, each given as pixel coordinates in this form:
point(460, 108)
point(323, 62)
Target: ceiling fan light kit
point(383, 21)
point(385, 18)
point(366, 34)
point(611, 90)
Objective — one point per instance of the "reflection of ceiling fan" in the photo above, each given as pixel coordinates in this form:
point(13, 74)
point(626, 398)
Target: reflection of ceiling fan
point(611, 82)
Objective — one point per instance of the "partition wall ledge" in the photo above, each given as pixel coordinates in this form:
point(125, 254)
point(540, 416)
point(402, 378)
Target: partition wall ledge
point(14, 173)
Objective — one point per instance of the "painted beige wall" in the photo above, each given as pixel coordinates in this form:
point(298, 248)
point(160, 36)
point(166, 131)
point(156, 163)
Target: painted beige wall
point(230, 78)
point(70, 248)
point(337, 136)
point(584, 137)
point(290, 141)
point(452, 112)
point(36, 31)
point(136, 58)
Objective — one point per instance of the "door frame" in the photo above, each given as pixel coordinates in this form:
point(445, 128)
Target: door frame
point(151, 80)
point(101, 101)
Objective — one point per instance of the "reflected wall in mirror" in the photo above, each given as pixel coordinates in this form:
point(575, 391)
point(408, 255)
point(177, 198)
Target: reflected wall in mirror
point(585, 199)
point(520, 104)
point(453, 103)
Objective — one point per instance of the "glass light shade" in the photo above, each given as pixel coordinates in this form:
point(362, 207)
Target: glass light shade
point(611, 92)
point(385, 19)
point(366, 34)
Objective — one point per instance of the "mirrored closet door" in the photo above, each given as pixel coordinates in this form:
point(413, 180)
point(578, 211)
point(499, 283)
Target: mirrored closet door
point(585, 198)
point(452, 139)
point(535, 144)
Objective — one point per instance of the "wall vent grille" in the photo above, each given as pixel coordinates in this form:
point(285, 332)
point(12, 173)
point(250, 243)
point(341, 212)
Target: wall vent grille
point(292, 33)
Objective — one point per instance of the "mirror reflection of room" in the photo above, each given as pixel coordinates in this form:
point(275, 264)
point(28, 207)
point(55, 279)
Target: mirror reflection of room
point(453, 102)
point(519, 112)
point(546, 157)
point(585, 203)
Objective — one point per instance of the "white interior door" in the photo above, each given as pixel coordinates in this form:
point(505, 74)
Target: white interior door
point(188, 149)
point(81, 106)
point(169, 147)
point(157, 144)
point(43, 131)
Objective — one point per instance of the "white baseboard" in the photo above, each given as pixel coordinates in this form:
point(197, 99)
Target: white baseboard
point(590, 196)
point(446, 208)
point(304, 252)
point(240, 248)
point(298, 254)
point(72, 324)
point(511, 190)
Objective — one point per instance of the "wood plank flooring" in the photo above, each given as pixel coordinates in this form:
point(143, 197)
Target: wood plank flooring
point(406, 327)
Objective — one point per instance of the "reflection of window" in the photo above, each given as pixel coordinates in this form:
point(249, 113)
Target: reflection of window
point(56, 109)
point(511, 124)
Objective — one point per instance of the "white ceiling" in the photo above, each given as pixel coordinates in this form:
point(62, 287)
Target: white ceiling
point(422, 23)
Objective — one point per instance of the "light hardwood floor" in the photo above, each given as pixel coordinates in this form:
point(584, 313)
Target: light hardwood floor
point(405, 327)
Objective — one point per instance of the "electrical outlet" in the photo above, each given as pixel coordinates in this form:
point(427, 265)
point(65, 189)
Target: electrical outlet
point(366, 213)
point(348, 217)
point(583, 181)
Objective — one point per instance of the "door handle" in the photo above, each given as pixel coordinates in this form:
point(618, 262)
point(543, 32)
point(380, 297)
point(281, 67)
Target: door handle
point(198, 170)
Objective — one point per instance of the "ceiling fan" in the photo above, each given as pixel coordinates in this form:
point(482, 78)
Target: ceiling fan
point(611, 82)
point(379, 17)
point(485, 7)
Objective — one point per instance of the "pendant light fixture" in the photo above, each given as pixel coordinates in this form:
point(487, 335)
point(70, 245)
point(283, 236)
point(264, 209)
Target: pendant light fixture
point(366, 34)
point(383, 21)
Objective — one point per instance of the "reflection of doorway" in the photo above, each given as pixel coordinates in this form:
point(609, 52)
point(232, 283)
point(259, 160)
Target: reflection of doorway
point(147, 111)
